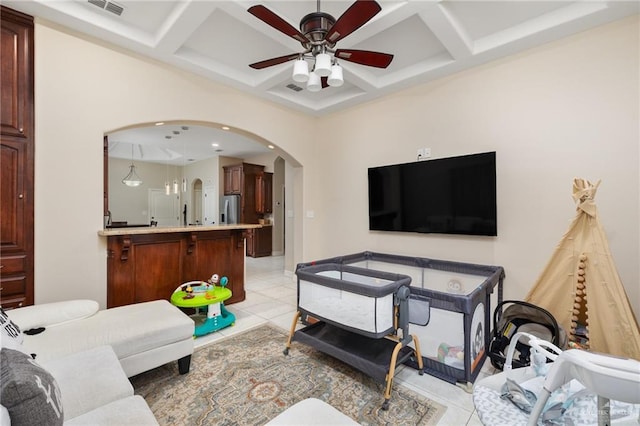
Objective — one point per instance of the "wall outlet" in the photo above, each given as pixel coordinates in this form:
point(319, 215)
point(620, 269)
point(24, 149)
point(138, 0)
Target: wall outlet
point(424, 153)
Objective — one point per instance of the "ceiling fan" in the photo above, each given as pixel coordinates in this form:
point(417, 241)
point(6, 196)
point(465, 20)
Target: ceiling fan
point(319, 33)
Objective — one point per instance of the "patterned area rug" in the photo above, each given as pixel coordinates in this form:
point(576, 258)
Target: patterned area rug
point(246, 380)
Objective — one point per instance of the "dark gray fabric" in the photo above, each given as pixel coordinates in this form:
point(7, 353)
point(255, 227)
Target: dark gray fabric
point(419, 310)
point(29, 392)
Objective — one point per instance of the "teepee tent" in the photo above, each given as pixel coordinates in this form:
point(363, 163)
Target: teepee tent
point(581, 287)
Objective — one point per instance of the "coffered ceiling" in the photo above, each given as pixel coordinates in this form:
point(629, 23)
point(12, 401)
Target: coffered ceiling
point(429, 39)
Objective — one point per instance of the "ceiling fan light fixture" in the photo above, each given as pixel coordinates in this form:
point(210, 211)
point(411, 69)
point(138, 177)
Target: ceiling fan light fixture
point(300, 71)
point(323, 64)
point(335, 78)
point(314, 84)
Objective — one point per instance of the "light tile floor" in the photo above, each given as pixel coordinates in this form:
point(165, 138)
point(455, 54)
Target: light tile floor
point(271, 298)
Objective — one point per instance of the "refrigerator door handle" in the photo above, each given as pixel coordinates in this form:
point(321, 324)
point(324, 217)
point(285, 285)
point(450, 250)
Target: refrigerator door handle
point(225, 212)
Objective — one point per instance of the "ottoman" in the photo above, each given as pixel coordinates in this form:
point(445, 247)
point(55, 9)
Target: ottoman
point(311, 411)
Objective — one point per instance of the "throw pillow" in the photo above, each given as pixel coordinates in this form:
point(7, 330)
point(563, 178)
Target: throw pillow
point(28, 392)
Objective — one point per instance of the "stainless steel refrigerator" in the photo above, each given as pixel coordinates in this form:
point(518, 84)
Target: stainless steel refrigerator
point(229, 209)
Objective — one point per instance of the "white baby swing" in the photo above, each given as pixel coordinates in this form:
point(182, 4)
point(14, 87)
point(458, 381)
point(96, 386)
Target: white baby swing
point(579, 388)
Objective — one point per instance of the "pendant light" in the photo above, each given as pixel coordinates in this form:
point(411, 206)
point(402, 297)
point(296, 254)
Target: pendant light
point(184, 163)
point(132, 179)
point(167, 186)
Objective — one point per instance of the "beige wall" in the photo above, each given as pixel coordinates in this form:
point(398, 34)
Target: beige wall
point(84, 90)
point(569, 108)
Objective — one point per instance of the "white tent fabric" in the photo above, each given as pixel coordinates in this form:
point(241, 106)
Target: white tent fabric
point(581, 287)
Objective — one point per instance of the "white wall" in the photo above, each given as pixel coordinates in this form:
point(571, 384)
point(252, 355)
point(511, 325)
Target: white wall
point(569, 108)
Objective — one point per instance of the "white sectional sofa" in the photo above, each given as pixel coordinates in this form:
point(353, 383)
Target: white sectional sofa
point(143, 335)
point(83, 358)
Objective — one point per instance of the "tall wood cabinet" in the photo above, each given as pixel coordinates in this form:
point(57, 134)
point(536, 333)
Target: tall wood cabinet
point(16, 158)
point(240, 179)
point(255, 187)
point(264, 193)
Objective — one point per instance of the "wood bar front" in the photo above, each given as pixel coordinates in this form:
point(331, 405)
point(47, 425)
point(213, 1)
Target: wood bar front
point(150, 263)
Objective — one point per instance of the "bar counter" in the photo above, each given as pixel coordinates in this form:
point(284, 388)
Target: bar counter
point(169, 229)
point(149, 263)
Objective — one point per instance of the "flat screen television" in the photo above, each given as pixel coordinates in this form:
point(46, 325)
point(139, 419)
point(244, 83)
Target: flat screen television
point(455, 195)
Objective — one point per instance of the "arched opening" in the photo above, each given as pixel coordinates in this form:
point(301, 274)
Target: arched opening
point(185, 158)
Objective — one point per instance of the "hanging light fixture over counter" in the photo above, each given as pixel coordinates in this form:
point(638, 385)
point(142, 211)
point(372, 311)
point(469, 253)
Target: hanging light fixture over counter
point(132, 179)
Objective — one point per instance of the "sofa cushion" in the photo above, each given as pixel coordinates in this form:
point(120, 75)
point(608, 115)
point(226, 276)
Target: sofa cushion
point(132, 410)
point(28, 391)
point(129, 330)
point(88, 380)
point(4, 416)
point(52, 314)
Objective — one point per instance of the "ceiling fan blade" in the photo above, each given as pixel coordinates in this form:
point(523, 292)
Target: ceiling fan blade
point(274, 61)
point(358, 14)
point(270, 18)
point(365, 57)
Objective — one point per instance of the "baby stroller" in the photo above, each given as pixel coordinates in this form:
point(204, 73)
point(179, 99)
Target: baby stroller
point(521, 317)
point(577, 388)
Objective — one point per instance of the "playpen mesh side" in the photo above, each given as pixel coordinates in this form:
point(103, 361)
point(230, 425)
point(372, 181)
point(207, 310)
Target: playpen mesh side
point(357, 299)
point(493, 274)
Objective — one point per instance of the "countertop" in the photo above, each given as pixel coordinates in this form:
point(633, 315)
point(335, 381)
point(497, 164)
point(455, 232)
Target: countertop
point(170, 229)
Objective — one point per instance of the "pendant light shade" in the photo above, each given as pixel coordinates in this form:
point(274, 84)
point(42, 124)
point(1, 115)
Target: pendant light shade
point(335, 79)
point(314, 84)
point(300, 71)
point(167, 188)
point(184, 184)
point(132, 179)
point(175, 186)
point(323, 64)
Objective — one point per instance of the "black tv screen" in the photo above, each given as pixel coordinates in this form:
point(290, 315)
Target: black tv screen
point(455, 195)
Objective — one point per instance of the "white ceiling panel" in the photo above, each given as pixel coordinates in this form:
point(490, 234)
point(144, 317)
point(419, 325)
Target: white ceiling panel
point(218, 39)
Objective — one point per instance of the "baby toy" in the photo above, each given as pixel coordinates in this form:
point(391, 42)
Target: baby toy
point(206, 295)
point(451, 355)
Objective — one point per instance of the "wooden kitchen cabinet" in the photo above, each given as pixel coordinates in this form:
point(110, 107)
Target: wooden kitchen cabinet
point(255, 187)
point(240, 179)
point(17, 158)
point(150, 266)
point(233, 180)
point(260, 241)
point(264, 193)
